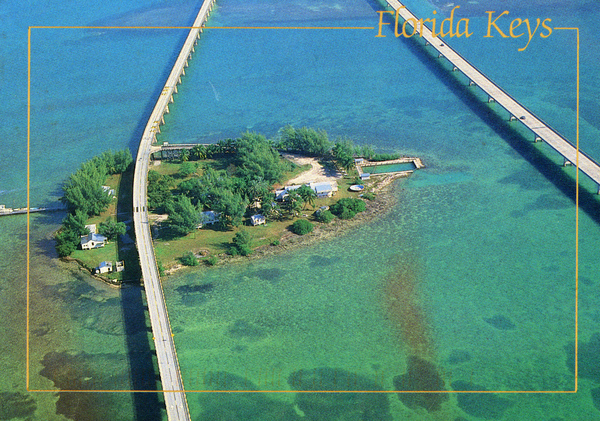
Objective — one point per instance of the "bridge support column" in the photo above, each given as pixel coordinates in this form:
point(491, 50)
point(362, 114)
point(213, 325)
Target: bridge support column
point(175, 88)
point(171, 99)
point(167, 109)
point(512, 118)
point(566, 162)
point(440, 55)
point(471, 83)
point(454, 69)
point(179, 79)
point(490, 99)
point(537, 139)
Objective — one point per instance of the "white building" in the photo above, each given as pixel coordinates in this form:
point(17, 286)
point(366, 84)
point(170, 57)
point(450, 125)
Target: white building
point(258, 220)
point(92, 241)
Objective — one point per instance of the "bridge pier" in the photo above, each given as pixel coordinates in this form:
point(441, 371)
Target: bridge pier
point(454, 69)
point(491, 99)
point(566, 162)
point(512, 118)
point(471, 83)
point(537, 139)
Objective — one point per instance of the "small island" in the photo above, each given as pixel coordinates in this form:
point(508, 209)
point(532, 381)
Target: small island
point(237, 198)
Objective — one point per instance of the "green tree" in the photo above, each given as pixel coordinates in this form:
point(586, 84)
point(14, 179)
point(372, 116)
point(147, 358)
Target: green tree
point(301, 227)
point(343, 153)
point(242, 242)
point(76, 223)
point(305, 140)
point(293, 203)
point(324, 216)
point(184, 155)
point(189, 259)
point(159, 192)
point(307, 194)
point(186, 169)
point(112, 229)
point(83, 189)
point(347, 208)
point(231, 207)
point(257, 159)
point(183, 216)
point(198, 152)
point(66, 242)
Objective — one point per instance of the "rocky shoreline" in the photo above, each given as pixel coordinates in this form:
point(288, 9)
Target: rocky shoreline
point(383, 203)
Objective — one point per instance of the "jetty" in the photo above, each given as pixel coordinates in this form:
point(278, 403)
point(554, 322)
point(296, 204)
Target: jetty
point(168, 364)
point(4, 211)
point(541, 130)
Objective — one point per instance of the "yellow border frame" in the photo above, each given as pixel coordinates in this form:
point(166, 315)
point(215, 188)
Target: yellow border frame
point(27, 360)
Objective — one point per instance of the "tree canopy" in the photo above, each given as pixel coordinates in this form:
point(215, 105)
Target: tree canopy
point(183, 215)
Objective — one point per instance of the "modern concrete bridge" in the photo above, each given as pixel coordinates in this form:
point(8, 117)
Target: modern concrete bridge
point(540, 129)
point(170, 374)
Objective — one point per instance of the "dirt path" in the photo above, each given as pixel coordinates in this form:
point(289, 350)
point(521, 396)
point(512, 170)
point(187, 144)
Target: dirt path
point(317, 173)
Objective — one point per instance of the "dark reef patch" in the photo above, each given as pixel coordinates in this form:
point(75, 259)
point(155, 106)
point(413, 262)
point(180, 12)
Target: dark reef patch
point(481, 405)
point(589, 358)
point(318, 260)
point(500, 322)
point(240, 406)
point(84, 371)
point(549, 202)
point(458, 356)
point(193, 295)
point(271, 274)
point(338, 406)
point(421, 375)
point(241, 329)
point(16, 405)
point(596, 397)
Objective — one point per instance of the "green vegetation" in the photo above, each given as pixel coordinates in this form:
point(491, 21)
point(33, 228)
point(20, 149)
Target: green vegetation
point(189, 259)
point(111, 229)
point(212, 260)
point(301, 227)
point(368, 196)
point(242, 243)
point(159, 190)
point(347, 208)
point(316, 143)
point(183, 215)
point(84, 196)
point(324, 216)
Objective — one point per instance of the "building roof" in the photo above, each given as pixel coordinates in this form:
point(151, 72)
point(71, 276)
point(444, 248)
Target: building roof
point(92, 237)
point(105, 264)
point(257, 217)
point(324, 187)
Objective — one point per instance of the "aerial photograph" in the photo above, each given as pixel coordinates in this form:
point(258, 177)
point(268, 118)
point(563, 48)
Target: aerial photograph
point(302, 210)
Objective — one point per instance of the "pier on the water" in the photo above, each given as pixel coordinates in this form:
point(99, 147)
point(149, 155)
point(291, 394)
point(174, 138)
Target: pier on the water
point(541, 131)
point(168, 364)
point(19, 211)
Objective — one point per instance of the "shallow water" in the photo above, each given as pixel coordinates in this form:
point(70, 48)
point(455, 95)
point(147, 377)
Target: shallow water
point(481, 243)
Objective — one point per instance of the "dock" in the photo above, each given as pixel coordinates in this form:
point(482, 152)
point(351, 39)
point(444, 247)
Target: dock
point(4, 211)
point(541, 130)
point(168, 364)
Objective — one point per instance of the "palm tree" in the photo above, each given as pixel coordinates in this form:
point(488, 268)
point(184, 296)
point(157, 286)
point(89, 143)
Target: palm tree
point(185, 155)
point(308, 195)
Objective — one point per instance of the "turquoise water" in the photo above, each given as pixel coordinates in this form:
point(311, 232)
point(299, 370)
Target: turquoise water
point(484, 236)
point(378, 169)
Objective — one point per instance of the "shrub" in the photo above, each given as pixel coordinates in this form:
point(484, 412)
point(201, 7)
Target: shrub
point(161, 269)
point(275, 242)
point(301, 227)
point(324, 216)
point(189, 259)
point(368, 196)
point(242, 243)
point(348, 207)
point(212, 260)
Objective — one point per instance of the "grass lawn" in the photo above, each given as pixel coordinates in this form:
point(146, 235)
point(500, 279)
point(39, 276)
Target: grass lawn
point(216, 241)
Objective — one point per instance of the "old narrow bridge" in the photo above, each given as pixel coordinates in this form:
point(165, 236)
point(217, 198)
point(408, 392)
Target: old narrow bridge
point(170, 374)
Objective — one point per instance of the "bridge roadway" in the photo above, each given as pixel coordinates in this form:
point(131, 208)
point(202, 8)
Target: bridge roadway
point(168, 365)
point(541, 130)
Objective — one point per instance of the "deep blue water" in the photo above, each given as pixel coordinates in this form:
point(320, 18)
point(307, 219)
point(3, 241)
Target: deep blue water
point(487, 231)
